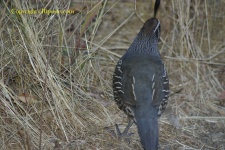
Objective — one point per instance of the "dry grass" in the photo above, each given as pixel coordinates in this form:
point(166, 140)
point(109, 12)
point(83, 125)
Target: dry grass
point(56, 74)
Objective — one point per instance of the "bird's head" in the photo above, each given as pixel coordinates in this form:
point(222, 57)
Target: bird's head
point(147, 39)
point(151, 28)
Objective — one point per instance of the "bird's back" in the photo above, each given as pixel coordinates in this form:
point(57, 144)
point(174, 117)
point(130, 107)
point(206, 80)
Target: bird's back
point(146, 95)
point(142, 85)
point(143, 75)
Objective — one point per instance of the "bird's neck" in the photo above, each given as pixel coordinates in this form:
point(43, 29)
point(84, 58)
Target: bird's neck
point(148, 46)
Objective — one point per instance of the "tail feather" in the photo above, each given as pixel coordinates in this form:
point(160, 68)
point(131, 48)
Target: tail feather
point(148, 130)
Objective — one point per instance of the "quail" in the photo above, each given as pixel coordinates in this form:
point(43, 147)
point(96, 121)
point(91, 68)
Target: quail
point(141, 84)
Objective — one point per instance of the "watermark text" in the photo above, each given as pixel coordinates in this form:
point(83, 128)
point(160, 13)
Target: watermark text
point(41, 11)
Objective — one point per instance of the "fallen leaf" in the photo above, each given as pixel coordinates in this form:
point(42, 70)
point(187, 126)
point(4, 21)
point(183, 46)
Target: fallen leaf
point(222, 95)
point(27, 98)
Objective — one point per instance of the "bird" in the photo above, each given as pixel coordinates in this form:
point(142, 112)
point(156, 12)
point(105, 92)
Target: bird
point(141, 83)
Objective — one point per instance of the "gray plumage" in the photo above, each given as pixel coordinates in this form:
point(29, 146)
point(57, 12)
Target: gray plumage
point(141, 84)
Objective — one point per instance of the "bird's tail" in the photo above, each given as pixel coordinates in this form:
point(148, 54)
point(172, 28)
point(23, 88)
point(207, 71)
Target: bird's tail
point(148, 130)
